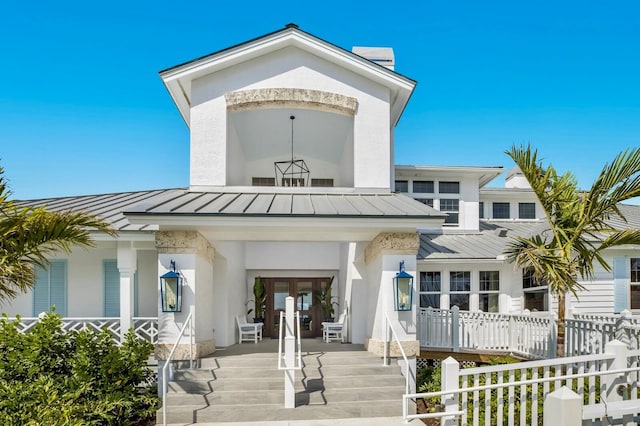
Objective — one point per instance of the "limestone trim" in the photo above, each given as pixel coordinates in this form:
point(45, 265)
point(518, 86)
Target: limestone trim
point(290, 97)
point(376, 346)
point(392, 243)
point(200, 349)
point(184, 242)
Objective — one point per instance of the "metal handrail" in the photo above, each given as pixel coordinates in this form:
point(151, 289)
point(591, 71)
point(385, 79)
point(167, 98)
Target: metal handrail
point(165, 382)
point(389, 326)
point(280, 338)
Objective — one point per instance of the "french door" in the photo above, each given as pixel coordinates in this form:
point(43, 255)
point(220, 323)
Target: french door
point(303, 290)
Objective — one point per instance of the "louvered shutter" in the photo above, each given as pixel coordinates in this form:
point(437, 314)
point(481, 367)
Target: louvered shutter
point(111, 289)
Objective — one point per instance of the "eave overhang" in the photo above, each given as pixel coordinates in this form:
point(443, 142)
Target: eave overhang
point(178, 79)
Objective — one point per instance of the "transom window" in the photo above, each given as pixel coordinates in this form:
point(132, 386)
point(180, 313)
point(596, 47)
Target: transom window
point(501, 210)
point(427, 201)
point(527, 210)
point(430, 290)
point(452, 208)
point(263, 181)
point(635, 283)
point(460, 288)
point(536, 292)
point(402, 186)
point(423, 186)
point(490, 291)
point(318, 182)
point(445, 187)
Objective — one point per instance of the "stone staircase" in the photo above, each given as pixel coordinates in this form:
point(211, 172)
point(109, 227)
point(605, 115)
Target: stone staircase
point(249, 387)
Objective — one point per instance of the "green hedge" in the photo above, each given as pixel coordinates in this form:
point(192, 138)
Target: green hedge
point(49, 376)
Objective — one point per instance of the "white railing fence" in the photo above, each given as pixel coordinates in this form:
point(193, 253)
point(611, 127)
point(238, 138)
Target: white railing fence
point(145, 328)
point(409, 373)
point(525, 334)
point(511, 394)
point(167, 363)
point(588, 334)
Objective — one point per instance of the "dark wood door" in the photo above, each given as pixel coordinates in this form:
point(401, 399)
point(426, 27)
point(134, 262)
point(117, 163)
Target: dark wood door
point(303, 290)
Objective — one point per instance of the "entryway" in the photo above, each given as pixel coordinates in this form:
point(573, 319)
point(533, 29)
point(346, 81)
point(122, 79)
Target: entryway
point(305, 291)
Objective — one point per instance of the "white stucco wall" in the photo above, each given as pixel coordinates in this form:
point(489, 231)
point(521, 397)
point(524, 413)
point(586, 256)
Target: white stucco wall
point(289, 68)
point(229, 292)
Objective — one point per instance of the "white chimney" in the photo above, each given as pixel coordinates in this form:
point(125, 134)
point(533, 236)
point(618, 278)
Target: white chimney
point(380, 55)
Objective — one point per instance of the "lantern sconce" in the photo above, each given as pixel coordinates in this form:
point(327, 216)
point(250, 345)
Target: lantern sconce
point(403, 289)
point(171, 290)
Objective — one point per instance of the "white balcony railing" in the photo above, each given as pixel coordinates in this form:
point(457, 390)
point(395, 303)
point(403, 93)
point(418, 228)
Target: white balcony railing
point(145, 328)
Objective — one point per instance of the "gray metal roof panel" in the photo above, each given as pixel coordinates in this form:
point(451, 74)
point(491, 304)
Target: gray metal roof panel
point(322, 205)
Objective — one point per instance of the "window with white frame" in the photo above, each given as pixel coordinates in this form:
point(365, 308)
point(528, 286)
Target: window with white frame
point(501, 210)
point(459, 289)
point(526, 210)
point(402, 186)
point(50, 288)
point(490, 291)
point(481, 209)
point(536, 292)
point(635, 283)
point(427, 201)
point(423, 186)
point(430, 289)
point(445, 187)
point(452, 208)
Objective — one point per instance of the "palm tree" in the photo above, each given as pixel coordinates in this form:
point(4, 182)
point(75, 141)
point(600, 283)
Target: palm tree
point(578, 223)
point(29, 235)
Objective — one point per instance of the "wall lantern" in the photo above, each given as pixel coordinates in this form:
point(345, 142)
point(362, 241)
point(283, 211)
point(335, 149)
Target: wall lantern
point(403, 289)
point(171, 290)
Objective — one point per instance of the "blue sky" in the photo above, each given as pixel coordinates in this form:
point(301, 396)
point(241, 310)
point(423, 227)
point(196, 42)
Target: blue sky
point(83, 111)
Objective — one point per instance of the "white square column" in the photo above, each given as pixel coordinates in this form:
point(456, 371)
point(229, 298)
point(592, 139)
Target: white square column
point(127, 264)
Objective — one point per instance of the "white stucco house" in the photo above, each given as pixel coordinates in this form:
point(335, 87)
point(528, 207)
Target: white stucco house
point(292, 179)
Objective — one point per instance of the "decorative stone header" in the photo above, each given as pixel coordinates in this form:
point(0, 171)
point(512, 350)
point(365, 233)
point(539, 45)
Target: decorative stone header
point(184, 242)
point(289, 97)
point(392, 243)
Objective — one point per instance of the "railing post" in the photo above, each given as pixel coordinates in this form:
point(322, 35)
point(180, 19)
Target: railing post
point(513, 333)
point(449, 381)
point(553, 334)
point(289, 356)
point(455, 328)
point(614, 381)
point(562, 407)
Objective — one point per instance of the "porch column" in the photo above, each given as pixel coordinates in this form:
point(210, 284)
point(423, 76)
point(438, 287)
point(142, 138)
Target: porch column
point(193, 257)
point(382, 257)
point(127, 263)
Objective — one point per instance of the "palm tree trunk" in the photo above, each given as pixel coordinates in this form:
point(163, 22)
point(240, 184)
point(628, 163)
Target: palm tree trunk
point(560, 339)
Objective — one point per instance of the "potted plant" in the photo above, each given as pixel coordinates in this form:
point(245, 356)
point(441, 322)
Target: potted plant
point(260, 300)
point(326, 301)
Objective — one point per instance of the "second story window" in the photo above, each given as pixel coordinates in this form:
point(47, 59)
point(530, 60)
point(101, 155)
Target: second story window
point(481, 209)
point(448, 187)
point(423, 186)
point(452, 208)
point(427, 201)
point(263, 181)
point(325, 183)
point(526, 210)
point(402, 186)
point(501, 210)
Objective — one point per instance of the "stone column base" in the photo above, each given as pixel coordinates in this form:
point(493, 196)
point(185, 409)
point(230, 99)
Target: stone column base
point(376, 346)
point(200, 349)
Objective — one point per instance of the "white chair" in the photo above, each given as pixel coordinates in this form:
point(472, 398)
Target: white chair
point(248, 332)
point(334, 330)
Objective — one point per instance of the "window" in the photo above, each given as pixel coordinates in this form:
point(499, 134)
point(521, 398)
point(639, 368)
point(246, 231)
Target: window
point(325, 183)
point(459, 287)
point(449, 187)
point(490, 291)
point(402, 186)
point(635, 283)
point(50, 288)
point(527, 210)
point(292, 181)
point(535, 292)
point(481, 209)
point(263, 181)
point(451, 207)
point(430, 290)
point(423, 186)
point(427, 201)
point(501, 210)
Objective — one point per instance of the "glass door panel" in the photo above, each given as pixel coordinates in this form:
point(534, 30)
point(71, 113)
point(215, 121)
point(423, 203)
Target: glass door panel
point(304, 305)
point(279, 296)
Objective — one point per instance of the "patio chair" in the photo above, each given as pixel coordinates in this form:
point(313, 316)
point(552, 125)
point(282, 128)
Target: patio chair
point(248, 332)
point(334, 330)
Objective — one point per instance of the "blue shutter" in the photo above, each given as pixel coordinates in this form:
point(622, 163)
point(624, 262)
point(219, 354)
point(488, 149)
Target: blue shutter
point(51, 288)
point(111, 288)
point(620, 284)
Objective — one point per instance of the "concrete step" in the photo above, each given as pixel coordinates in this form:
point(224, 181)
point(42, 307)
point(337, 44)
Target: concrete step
point(273, 412)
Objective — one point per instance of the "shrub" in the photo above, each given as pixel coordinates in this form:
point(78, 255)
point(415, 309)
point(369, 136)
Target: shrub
point(49, 376)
